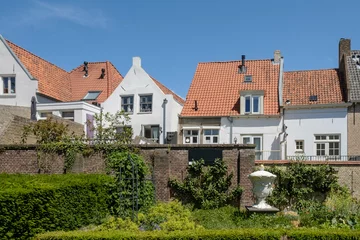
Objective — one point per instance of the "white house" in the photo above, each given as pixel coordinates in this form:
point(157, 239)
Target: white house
point(235, 102)
point(315, 115)
point(152, 107)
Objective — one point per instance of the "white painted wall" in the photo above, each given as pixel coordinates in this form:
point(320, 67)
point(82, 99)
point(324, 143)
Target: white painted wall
point(25, 87)
point(268, 128)
point(303, 124)
point(138, 82)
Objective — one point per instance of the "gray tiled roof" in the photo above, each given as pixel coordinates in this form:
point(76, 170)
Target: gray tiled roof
point(354, 77)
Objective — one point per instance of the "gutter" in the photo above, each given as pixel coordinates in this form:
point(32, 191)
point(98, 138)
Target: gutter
point(17, 59)
point(312, 106)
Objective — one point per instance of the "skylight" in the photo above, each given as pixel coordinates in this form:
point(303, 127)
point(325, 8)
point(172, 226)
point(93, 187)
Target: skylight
point(248, 78)
point(92, 95)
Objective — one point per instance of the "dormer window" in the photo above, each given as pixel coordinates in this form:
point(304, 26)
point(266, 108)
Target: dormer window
point(251, 102)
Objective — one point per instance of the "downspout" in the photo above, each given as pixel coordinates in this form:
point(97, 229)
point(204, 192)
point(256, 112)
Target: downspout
point(165, 101)
point(281, 107)
point(230, 119)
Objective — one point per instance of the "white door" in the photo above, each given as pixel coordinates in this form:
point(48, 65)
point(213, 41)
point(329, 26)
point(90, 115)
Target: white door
point(257, 140)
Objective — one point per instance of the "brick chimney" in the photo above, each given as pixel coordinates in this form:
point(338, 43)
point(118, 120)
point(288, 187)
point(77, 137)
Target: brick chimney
point(277, 56)
point(344, 50)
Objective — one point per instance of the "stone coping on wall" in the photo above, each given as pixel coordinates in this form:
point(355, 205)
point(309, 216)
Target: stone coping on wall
point(145, 146)
point(285, 162)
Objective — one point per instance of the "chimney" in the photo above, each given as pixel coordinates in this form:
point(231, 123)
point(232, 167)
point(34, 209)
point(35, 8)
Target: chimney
point(102, 73)
point(344, 50)
point(277, 56)
point(137, 61)
point(242, 68)
point(86, 69)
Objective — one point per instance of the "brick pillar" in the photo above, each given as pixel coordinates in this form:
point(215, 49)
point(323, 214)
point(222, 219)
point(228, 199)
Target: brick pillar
point(247, 163)
point(161, 174)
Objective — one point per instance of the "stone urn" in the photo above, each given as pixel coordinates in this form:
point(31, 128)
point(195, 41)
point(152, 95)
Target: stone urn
point(262, 187)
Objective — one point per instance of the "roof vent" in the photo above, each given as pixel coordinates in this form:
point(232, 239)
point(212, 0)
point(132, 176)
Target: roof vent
point(287, 101)
point(313, 98)
point(86, 69)
point(102, 73)
point(196, 106)
point(358, 65)
point(248, 78)
point(242, 67)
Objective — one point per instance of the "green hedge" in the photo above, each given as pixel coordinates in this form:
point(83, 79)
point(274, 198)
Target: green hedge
point(31, 204)
point(254, 234)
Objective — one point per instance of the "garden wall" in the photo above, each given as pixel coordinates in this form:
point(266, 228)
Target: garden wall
point(165, 161)
point(348, 172)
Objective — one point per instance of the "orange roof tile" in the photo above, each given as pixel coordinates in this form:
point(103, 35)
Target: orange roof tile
point(300, 85)
point(216, 87)
point(82, 85)
point(165, 90)
point(52, 80)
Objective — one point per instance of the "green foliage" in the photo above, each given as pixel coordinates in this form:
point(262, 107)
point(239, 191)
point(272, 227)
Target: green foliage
point(300, 185)
point(106, 125)
point(168, 217)
point(321, 234)
point(239, 234)
point(114, 223)
point(123, 184)
point(206, 186)
point(31, 204)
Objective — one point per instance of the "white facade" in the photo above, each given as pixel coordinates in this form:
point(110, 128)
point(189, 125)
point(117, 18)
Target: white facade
point(137, 84)
point(321, 131)
point(76, 111)
point(264, 132)
point(12, 69)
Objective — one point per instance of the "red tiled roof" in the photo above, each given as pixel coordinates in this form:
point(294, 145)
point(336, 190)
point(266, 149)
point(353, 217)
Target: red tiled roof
point(300, 85)
point(165, 90)
point(216, 87)
point(52, 80)
point(82, 85)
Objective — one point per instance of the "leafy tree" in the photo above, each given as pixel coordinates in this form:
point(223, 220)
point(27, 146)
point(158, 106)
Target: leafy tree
point(206, 186)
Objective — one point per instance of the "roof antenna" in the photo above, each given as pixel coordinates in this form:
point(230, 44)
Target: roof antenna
point(102, 73)
point(196, 106)
point(86, 69)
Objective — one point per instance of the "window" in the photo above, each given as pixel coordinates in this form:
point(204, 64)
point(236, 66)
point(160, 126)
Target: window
point(191, 136)
point(68, 115)
point(8, 84)
point(299, 145)
point(211, 136)
point(327, 145)
point(151, 132)
point(248, 78)
point(146, 103)
point(44, 115)
point(92, 95)
point(124, 130)
point(257, 140)
point(252, 104)
point(127, 104)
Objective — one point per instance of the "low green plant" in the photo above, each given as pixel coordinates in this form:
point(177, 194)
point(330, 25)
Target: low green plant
point(206, 186)
point(114, 223)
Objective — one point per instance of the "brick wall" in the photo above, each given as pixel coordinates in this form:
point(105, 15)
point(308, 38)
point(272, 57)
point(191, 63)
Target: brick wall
point(353, 140)
point(348, 172)
point(165, 162)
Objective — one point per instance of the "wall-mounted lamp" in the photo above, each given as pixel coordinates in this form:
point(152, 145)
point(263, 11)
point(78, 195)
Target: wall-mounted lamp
point(235, 140)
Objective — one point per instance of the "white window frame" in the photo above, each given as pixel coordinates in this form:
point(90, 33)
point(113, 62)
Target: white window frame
point(7, 78)
point(191, 136)
point(127, 104)
point(68, 118)
point(211, 136)
point(47, 114)
point(326, 139)
point(151, 132)
point(258, 153)
point(141, 110)
point(251, 98)
point(299, 150)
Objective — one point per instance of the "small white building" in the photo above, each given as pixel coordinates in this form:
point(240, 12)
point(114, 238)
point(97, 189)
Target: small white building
point(315, 115)
point(153, 108)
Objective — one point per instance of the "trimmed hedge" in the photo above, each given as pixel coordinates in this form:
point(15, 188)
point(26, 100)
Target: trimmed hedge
point(254, 234)
point(31, 204)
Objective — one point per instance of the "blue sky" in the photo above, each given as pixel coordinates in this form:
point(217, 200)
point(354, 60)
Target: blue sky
point(172, 36)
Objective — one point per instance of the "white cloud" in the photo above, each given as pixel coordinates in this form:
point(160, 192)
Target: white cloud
point(46, 11)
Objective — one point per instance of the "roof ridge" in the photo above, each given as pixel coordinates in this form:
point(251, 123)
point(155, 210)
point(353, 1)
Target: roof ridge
point(36, 55)
point(311, 70)
point(83, 64)
point(231, 61)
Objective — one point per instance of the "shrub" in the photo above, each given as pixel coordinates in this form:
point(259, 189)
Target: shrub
point(38, 203)
point(300, 185)
point(206, 186)
point(118, 224)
